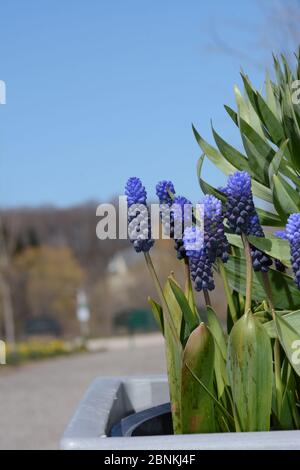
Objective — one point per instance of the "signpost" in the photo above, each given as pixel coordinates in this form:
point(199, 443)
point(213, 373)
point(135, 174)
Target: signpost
point(83, 313)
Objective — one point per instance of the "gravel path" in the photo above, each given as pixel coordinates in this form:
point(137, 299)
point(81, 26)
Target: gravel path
point(38, 399)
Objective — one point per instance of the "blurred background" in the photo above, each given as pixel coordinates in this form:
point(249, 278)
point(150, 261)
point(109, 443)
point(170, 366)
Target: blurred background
point(96, 92)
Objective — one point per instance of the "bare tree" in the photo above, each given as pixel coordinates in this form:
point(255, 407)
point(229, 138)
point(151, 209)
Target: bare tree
point(276, 29)
point(7, 308)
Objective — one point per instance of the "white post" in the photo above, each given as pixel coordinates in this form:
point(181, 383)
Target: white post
point(83, 313)
point(2, 353)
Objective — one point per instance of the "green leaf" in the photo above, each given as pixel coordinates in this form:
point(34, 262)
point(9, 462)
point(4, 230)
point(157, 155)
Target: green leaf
point(220, 350)
point(227, 168)
point(291, 318)
point(267, 116)
point(271, 122)
point(278, 70)
point(286, 199)
point(250, 373)
point(247, 113)
point(174, 309)
point(217, 330)
point(290, 125)
point(289, 172)
point(222, 412)
point(214, 155)
point(285, 293)
point(261, 191)
point(270, 97)
point(289, 337)
point(207, 188)
point(289, 415)
point(268, 218)
point(273, 246)
point(173, 356)
point(233, 156)
point(259, 152)
point(157, 312)
point(189, 317)
point(276, 161)
point(233, 114)
point(197, 406)
point(242, 104)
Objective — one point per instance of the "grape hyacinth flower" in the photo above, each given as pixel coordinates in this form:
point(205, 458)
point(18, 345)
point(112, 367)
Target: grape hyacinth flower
point(137, 195)
point(199, 262)
point(203, 248)
point(135, 192)
point(214, 235)
point(281, 234)
point(179, 212)
point(242, 217)
point(293, 236)
point(260, 261)
point(163, 190)
point(201, 272)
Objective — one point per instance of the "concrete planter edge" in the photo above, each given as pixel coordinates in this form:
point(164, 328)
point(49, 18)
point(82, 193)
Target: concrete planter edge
point(108, 399)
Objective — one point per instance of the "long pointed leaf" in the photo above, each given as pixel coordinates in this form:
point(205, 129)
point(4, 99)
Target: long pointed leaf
point(250, 373)
point(197, 406)
point(289, 338)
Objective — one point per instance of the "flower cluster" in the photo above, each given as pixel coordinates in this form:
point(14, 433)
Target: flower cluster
point(201, 272)
point(139, 227)
point(201, 247)
point(204, 247)
point(163, 190)
point(293, 236)
point(214, 235)
point(135, 192)
point(242, 217)
point(172, 210)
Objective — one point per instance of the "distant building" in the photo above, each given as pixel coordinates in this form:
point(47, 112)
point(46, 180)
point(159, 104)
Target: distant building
point(119, 268)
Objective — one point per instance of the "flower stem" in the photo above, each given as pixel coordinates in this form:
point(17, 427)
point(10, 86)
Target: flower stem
point(161, 295)
point(278, 381)
point(207, 297)
point(249, 273)
point(277, 361)
point(268, 291)
point(188, 285)
point(187, 275)
point(228, 293)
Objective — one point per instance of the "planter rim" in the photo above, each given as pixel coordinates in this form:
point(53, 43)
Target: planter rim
point(110, 398)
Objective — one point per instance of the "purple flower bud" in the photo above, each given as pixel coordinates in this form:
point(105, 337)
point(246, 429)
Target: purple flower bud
point(136, 194)
point(135, 191)
point(201, 271)
point(242, 217)
point(293, 236)
point(163, 189)
point(204, 247)
point(281, 234)
point(215, 240)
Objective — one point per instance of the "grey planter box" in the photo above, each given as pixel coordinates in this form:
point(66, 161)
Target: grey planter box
point(109, 399)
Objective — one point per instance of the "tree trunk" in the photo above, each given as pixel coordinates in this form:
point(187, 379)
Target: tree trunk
point(7, 308)
point(9, 326)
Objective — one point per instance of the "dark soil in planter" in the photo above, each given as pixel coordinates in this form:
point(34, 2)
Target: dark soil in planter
point(154, 421)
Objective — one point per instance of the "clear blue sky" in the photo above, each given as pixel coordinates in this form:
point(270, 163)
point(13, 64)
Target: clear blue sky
point(100, 90)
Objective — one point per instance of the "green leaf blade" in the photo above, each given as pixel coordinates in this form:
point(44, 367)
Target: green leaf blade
point(197, 406)
point(250, 373)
